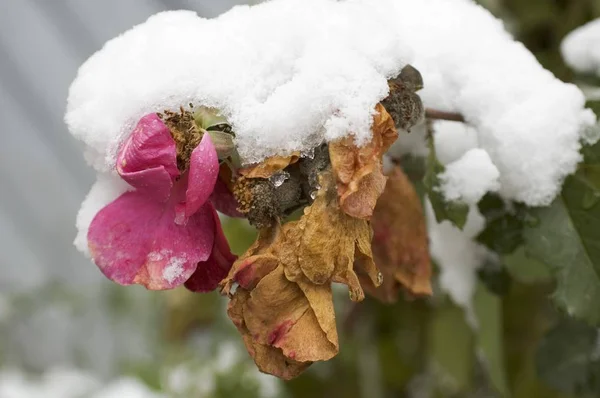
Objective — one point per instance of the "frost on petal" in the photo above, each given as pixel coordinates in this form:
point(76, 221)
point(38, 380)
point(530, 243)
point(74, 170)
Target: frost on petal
point(203, 174)
point(135, 240)
point(147, 160)
point(209, 273)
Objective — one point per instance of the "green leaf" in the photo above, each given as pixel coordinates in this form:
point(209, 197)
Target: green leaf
point(568, 240)
point(451, 347)
point(504, 224)
point(488, 309)
point(527, 315)
point(456, 212)
point(210, 119)
point(495, 277)
point(526, 269)
point(567, 358)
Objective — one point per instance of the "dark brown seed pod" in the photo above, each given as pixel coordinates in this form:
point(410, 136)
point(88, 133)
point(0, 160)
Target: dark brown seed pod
point(403, 104)
point(257, 200)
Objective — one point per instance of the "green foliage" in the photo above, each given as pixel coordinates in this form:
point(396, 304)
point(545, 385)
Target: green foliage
point(568, 359)
point(568, 240)
point(455, 212)
point(488, 310)
point(526, 269)
point(503, 232)
point(451, 352)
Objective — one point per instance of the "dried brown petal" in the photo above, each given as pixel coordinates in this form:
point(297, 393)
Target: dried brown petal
point(322, 245)
point(268, 359)
point(359, 170)
point(279, 314)
point(285, 283)
point(400, 244)
point(269, 166)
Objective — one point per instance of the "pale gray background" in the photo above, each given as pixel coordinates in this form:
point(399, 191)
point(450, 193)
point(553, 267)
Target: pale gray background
point(54, 303)
point(43, 177)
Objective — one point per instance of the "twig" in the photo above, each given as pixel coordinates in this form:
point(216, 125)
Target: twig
point(442, 115)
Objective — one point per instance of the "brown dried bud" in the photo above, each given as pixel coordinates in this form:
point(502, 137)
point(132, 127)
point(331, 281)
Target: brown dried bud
point(256, 198)
point(403, 103)
point(411, 78)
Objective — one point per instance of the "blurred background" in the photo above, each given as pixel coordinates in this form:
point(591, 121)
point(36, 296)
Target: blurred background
point(65, 329)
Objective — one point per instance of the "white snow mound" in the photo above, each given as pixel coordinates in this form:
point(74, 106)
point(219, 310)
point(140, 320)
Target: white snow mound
point(581, 48)
point(290, 74)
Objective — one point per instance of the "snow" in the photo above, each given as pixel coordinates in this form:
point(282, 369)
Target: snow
point(69, 383)
point(289, 74)
point(453, 140)
point(458, 256)
point(470, 177)
point(581, 48)
point(174, 268)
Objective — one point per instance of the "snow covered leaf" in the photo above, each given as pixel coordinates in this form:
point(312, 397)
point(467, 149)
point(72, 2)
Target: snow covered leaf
point(358, 169)
point(400, 242)
point(567, 240)
point(456, 212)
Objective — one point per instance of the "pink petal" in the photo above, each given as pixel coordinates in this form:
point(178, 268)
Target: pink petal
point(203, 173)
point(148, 159)
point(224, 201)
point(135, 240)
point(212, 271)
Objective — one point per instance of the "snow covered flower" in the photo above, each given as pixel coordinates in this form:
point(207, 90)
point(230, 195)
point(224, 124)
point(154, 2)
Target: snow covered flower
point(166, 232)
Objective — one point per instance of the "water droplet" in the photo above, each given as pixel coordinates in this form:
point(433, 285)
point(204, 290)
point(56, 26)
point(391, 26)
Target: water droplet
point(379, 278)
point(309, 153)
point(279, 178)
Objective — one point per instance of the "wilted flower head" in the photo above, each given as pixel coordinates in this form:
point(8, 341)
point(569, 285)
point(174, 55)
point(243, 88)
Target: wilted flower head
point(166, 232)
